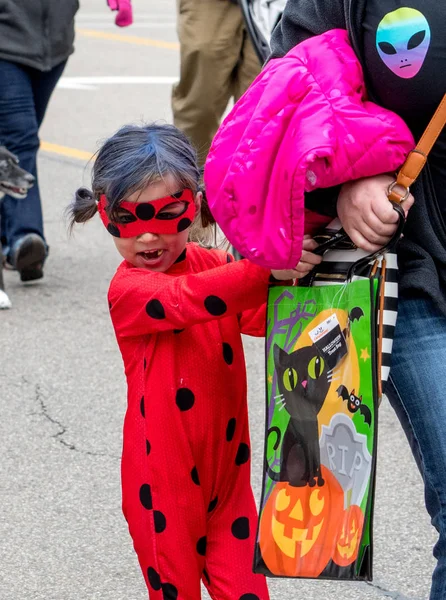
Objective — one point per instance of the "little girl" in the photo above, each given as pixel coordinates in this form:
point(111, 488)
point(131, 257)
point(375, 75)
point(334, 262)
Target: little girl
point(178, 310)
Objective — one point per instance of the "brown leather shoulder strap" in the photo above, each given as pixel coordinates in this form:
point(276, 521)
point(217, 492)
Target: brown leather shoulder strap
point(418, 156)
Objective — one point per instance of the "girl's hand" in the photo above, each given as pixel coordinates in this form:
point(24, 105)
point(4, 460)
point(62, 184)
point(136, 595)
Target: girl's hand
point(366, 213)
point(307, 261)
point(284, 275)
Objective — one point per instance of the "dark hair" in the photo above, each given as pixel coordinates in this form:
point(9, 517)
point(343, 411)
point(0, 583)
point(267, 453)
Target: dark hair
point(133, 158)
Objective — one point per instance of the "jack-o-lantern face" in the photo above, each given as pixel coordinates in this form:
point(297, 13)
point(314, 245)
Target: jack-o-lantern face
point(298, 527)
point(349, 538)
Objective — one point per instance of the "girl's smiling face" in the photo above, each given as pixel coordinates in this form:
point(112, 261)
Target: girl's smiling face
point(156, 251)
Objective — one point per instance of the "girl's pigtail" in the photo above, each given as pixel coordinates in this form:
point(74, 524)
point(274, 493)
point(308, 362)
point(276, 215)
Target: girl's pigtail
point(204, 228)
point(207, 218)
point(82, 208)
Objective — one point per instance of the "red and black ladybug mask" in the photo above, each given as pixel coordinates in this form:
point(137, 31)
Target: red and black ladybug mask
point(150, 217)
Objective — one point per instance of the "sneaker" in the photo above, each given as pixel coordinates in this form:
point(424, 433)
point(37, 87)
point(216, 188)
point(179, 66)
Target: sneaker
point(27, 257)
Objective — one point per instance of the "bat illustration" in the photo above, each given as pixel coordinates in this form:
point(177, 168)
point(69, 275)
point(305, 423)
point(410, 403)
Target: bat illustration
point(354, 403)
point(355, 314)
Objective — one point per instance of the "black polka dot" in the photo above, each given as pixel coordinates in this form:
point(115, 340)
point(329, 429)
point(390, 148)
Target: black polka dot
point(228, 353)
point(242, 454)
point(249, 597)
point(145, 364)
point(194, 475)
point(178, 330)
point(212, 504)
point(145, 211)
point(155, 309)
point(148, 447)
point(240, 528)
point(145, 495)
point(215, 306)
point(206, 576)
point(170, 592)
point(142, 408)
point(252, 209)
point(185, 399)
point(184, 224)
point(109, 305)
point(201, 546)
point(160, 521)
point(230, 429)
point(113, 230)
point(154, 578)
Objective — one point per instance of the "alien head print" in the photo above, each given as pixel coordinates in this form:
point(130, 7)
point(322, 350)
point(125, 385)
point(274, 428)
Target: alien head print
point(402, 40)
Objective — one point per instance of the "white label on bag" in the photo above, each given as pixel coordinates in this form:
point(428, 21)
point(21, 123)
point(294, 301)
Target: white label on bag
point(323, 328)
point(329, 340)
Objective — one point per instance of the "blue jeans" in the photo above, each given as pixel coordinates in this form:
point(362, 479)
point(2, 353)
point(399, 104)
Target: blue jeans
point(417, 392)
point(24, 96)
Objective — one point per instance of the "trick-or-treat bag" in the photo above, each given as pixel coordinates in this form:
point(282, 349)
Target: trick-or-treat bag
point(317, 500)
point(328, 345)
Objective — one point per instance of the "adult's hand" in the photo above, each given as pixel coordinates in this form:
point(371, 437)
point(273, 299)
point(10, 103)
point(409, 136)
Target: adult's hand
point(366, 213)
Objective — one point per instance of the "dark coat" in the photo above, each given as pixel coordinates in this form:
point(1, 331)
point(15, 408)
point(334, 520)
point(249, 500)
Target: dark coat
point(422, 250)
point(37, 33)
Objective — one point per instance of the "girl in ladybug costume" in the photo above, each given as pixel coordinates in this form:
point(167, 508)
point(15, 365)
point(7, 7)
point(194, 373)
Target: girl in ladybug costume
point(178, 310)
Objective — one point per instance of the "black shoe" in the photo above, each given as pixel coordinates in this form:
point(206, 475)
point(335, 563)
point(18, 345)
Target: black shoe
point(28, 255)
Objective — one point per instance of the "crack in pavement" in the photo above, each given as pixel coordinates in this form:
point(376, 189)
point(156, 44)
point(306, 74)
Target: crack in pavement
point(388, 593)
point(62, 428)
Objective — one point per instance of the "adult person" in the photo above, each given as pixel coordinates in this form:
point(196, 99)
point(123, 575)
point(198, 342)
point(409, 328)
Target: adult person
point(217, 62)
point(36, 39)
point(403, 52)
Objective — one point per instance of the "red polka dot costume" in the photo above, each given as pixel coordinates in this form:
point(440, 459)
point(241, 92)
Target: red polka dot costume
point(187, 496)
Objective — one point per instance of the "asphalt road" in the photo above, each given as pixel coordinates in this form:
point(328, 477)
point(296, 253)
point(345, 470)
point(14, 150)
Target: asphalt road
point(62, 534)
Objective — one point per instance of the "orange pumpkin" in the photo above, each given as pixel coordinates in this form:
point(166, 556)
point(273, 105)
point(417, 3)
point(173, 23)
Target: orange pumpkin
point(298, 527)
point(349, 536)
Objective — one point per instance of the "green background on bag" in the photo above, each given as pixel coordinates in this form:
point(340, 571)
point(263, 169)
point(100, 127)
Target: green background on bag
point(308, 302)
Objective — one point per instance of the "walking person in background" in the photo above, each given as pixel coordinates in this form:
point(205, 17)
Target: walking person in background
point(217, 63)
point(402, 47)
point(36, 39)
point(178, 311)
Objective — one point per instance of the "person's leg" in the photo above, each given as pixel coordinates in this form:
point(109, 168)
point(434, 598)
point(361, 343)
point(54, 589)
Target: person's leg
point(43, 86)
point(18, 132)
point(231, 534)
point(248, 67)
point(24, 96)
point(162, 499)
point(210, 34)
point(416, 392)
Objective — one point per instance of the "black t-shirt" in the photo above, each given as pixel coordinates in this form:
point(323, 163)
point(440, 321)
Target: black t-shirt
point(405, 63)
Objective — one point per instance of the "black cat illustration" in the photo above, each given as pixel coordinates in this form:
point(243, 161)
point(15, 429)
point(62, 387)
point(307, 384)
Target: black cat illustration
point(303, 379)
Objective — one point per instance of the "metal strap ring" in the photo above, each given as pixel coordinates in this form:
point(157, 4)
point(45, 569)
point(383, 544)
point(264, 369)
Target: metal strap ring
point(390, 189)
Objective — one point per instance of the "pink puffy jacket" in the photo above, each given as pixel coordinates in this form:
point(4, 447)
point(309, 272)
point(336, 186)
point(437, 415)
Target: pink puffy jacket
point(304, 123)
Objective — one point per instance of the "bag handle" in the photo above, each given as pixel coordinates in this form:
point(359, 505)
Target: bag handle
point(417, 157)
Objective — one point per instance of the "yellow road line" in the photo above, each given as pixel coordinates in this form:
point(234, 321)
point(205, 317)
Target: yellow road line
point(127, 39)
point(65, 151)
